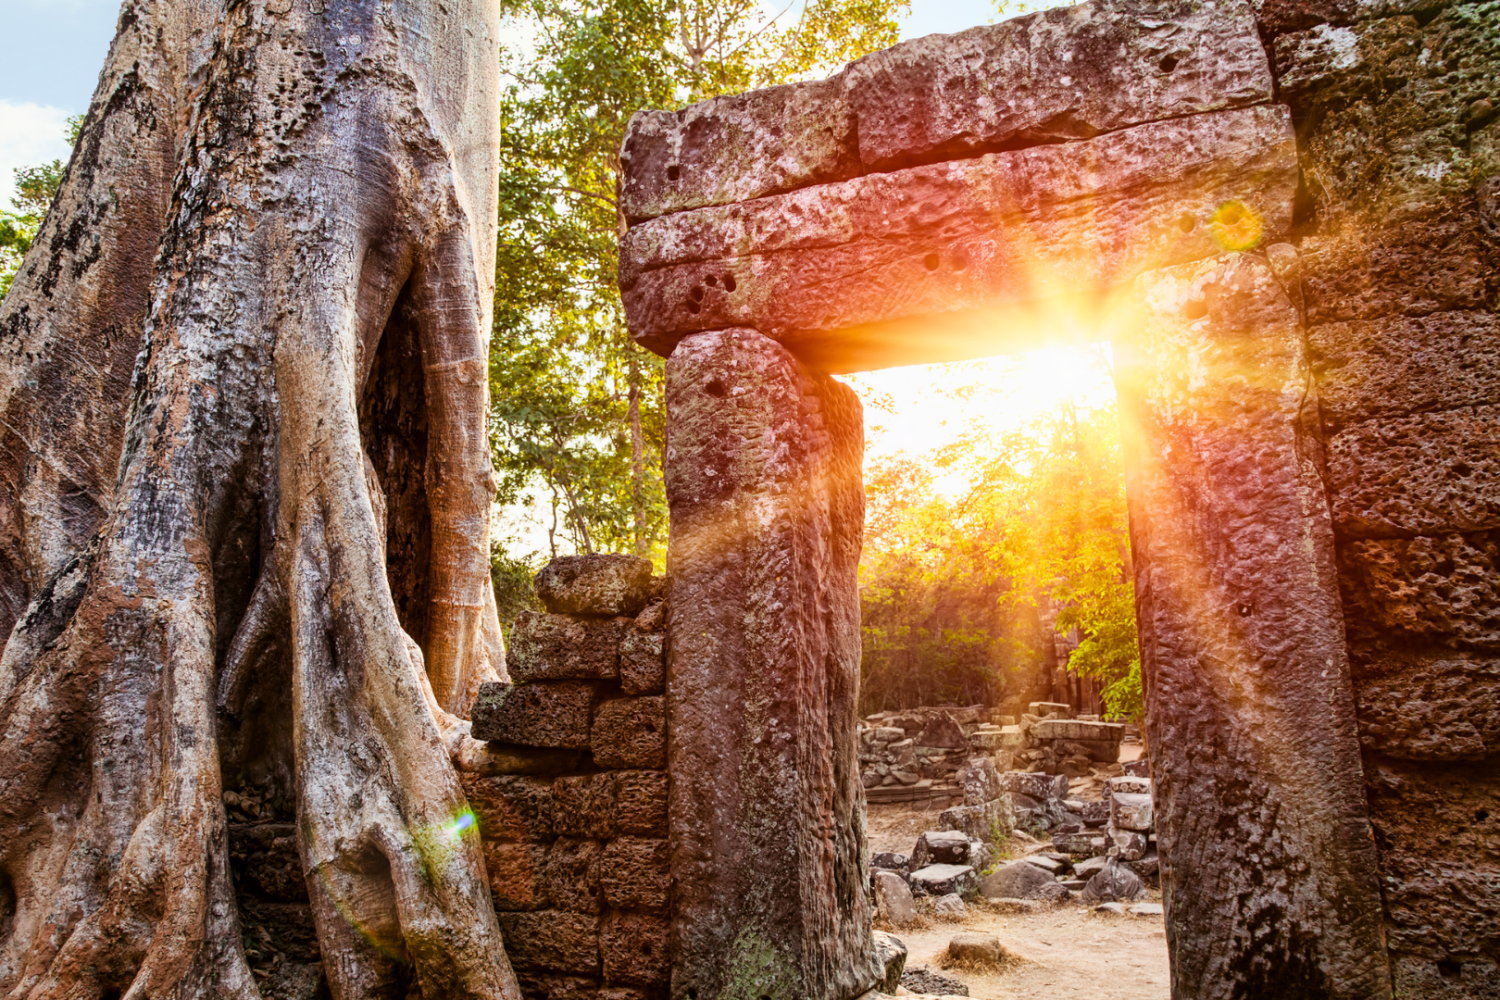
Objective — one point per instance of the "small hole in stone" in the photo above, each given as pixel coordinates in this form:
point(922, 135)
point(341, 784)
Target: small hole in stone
point(712, 281)
point(716, 389)
point(646, 950)
point(694, 307)
point(930, 262)
point(1462, 471)
point(1195, 310)
point(674, 172)
point(1481, 815)
point(696, 294)
point(1450, 970)
point(692, 994)
point(960, 262)
point(728, 282)
point(651, 726)
point(1168, 63)
point(1186, 223)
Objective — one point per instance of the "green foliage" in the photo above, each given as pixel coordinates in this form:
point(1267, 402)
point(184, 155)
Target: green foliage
point(578, 411)
point(35, 189)
point(953, 587)
point(515, 589)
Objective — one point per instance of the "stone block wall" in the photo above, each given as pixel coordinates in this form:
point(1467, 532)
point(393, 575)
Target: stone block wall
point(1399, 140)
point(571, 795)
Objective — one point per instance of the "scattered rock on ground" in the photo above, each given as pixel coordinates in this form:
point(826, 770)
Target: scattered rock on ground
point(890, 955)
point(973, 948)
point(940, 880)
point(923, 980)
point(946, 847)
point(1088, 869)
point(1148, 910)
point(893, 899)
point(1114, 882)
point(1118, 909)
point(950, 907)
point(1016, 880)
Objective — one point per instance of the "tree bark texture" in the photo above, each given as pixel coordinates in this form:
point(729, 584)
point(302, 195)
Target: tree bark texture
point(244, 501)
point(763, 475)
point(1268, 863)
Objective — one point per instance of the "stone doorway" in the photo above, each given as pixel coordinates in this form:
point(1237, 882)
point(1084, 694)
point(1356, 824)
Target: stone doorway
point(895, 214)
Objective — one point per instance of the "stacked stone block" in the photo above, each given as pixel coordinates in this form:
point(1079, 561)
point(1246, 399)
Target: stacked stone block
point(571, 796)
point(1399, 136)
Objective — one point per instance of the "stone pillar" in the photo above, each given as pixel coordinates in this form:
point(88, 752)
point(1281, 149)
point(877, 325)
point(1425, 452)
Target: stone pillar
point(763, 475)
point(1268, 863)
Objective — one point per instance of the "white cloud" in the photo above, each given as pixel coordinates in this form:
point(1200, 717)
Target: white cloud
point(29, 134)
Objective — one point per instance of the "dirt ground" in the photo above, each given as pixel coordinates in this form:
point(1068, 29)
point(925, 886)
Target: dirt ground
point(1064, 952)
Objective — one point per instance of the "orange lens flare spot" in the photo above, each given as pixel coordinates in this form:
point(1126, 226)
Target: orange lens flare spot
point(1236, 226)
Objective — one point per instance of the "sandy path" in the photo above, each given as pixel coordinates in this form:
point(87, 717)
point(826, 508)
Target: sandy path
point(1067, 952)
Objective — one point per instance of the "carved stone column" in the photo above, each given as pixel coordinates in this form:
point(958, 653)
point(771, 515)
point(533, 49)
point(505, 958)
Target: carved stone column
point(1267, 857)
point(763, 474)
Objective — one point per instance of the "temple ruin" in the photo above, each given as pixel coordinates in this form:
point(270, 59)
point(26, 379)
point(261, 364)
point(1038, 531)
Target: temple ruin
point(1301, 201)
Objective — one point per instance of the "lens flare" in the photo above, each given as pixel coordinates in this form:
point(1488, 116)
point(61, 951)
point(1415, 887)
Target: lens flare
point(464, 822)
point(1236, 226)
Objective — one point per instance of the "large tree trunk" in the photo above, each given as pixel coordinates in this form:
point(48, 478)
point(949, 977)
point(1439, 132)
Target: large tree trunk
point(280, 213)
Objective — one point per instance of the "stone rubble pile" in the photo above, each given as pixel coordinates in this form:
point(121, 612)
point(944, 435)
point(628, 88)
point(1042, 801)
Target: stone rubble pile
point(571, 792)
point(915, 754)
point(1048, 741)
point(1103, 851)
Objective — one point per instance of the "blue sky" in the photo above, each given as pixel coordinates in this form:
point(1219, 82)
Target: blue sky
point(55, 48)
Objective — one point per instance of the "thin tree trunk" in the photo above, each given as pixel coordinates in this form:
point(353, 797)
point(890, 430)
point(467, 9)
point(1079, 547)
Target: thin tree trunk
point(194, 558)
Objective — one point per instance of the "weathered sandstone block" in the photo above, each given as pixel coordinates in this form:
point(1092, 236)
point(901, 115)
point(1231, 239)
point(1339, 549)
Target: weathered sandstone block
point(763, 474)
point(1037, 786)
point(865, 256)
point(1431, 708)
point(942, 879)
point(1430, 473)
point(630, 732)
point(552, 939)
point(637, 874)
point(585, 805)
point(561, 647)
point(641, 805)
point(643, 668)
point(572, 871)
point(1083, 732)
point(1401, 365)
point(1437, 589)
point(595, 585)
point(1250, 705)
point(637, 949)
point(736, 148)
point(552, 714)
point(1066, 73)
point(1130, 811)
point(517, 872)
point(511, 807)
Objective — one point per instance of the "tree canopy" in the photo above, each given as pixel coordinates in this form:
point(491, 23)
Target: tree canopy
point(954, 579)
point(578, 410)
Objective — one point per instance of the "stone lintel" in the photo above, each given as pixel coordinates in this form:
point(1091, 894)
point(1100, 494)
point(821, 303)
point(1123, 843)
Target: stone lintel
point(958, 259)
point(1053, 76)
